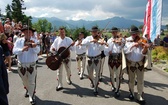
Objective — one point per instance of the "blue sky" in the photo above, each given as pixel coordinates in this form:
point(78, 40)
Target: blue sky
point(87, 9)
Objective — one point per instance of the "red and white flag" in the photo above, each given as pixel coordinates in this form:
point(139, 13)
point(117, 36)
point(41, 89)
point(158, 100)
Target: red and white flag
point(152, 19)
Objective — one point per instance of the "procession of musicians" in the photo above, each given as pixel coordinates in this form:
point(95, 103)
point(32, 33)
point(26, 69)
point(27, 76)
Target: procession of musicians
point(129, 55)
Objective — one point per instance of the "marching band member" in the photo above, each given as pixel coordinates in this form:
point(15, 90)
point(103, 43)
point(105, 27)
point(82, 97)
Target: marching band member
point(114, 50)
point(26, 50)
point(63, 41)
point(135, 53)
point(93, 53)
point(80, 55)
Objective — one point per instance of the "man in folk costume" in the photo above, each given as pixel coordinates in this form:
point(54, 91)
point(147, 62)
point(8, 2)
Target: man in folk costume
point(102, 56)
point(59, 42)
point(26, 49)
point(80, 55)
point(135, 51)
point(93, 53)
point(114, 51)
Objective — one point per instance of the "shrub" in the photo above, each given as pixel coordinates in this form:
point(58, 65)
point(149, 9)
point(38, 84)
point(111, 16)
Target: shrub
point(160, 53)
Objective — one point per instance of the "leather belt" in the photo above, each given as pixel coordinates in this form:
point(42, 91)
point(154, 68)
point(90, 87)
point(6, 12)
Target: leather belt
point(81, 54)
point(95, 57)
point(115, 56)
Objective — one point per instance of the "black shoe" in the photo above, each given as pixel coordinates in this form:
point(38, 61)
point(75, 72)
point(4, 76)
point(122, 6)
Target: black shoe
point(95, 93)
point(135, 82)
point(78, 73)
point(131, 97)
point(33, 102)
point(59, 88)
point(142, 102)
point(113, 89)
point(81, 78)
point(26, 94)
point(117, 94)
point(69, 82)
point(91, 85)
point(100, 79)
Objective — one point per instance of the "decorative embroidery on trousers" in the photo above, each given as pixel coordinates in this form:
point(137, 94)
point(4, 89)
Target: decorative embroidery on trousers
point(89, 62)
point(81, 58)
point(30, 69)
point(115, 63)
point(23, 70)
point(96, 62)
point(66, 61)
point(115, 60)
point(77, 58)
point(136, 66)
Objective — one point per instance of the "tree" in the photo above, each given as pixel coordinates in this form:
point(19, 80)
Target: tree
point(167, 26)
point(140, 27)
point(8, 12)
point(27, 20)
point(17, 13)
point(78, 30)
point(42, 25)
point(133, 26)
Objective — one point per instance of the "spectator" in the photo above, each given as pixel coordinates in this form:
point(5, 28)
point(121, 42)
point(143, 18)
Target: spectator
point(4, 43)
point(165, 40)
point(157, 41)
point(15, 37)
point(4, 85)
point(7, 27)
point(47, 42)
point(1, 27)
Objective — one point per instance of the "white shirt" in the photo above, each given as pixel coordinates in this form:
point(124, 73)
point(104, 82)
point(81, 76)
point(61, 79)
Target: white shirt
point(59, 42)
point(26, 56)
point(15, 37)
point(114, 47)
point(79, 49)
point(134, 54)
point(93, 49)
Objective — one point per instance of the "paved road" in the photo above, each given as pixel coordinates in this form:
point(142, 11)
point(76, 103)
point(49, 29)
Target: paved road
point(80, 93)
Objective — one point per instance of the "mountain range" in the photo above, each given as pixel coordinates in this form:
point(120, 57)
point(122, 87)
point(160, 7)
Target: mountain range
point(119, 22)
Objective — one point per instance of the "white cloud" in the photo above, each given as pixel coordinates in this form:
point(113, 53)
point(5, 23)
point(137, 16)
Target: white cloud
point(42, 12)
point(98, 13)
point(164, 20)
point(80, 15)
point(95, 14)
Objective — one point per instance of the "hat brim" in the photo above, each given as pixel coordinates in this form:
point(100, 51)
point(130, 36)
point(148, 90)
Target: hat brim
point(114, 30)
point(28, 29)
point(132, 32)
point(94, 30)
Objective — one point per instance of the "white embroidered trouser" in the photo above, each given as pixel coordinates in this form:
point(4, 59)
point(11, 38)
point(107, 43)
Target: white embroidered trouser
point(67, 65)
point(136, 70)
point(28, 73)
point(81, 60)
point(102, 65)
point(93, 68)
point(115, 73)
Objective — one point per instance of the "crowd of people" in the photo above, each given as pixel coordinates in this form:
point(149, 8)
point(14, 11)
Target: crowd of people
point(125, 54)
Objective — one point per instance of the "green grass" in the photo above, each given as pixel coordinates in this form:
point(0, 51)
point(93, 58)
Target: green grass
point(166, 70)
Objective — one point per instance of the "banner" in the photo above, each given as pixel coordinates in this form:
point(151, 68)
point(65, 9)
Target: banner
point(152, 19)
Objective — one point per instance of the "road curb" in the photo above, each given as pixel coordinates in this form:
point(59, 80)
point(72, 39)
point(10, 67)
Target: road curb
point(159, 70)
